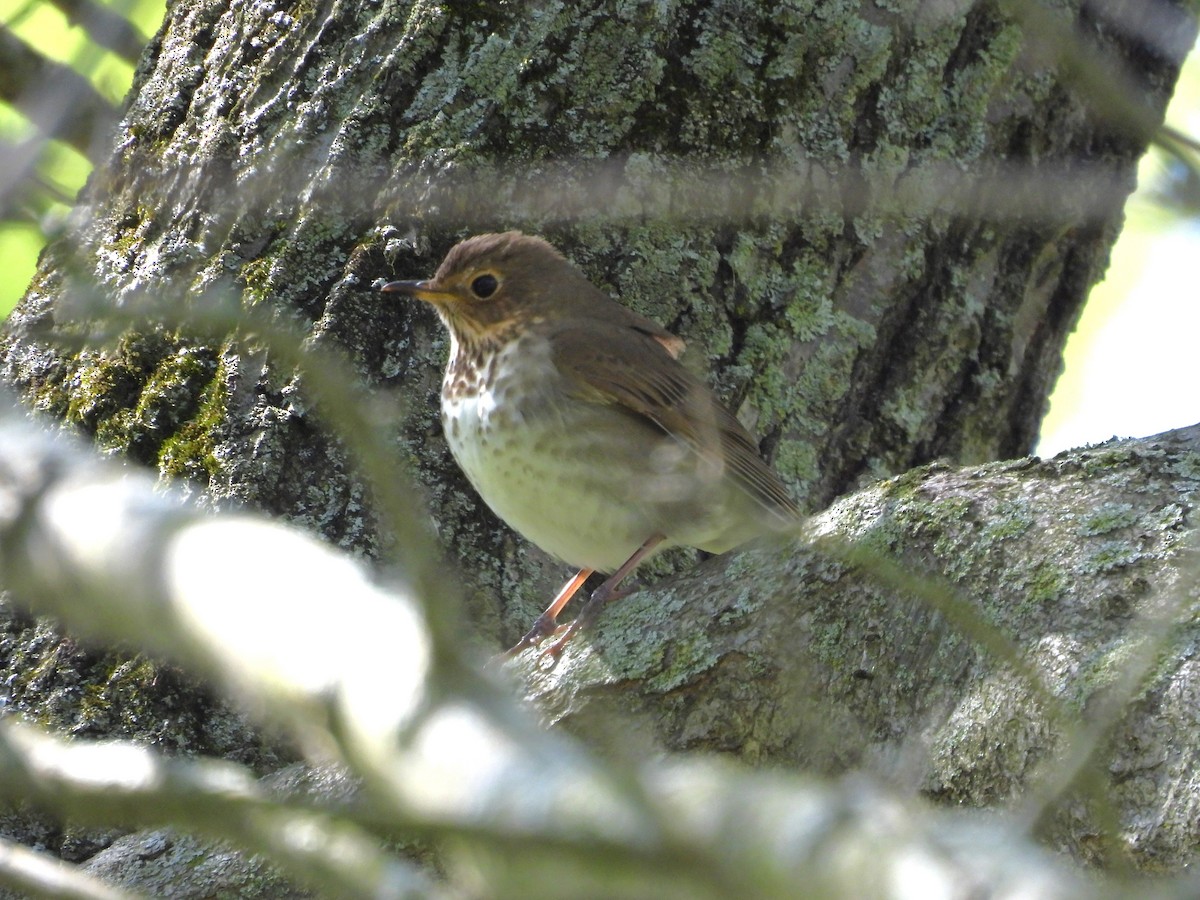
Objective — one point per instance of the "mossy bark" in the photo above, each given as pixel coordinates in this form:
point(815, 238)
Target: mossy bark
point(286, 157)
point(771, 181)
point(879, 643)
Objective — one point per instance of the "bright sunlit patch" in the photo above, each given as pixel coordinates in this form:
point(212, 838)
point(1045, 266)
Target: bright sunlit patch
point(88, 766)
point(290, 612)
point(1131, 367)
point(916, 875)
point(1137, 372)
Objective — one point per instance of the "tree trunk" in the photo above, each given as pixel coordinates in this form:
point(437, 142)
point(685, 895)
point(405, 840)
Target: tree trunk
point(891, 315)
point(874, 227)
point(957, 631)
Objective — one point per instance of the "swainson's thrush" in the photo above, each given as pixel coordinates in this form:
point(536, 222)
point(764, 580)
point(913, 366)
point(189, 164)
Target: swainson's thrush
point(575, 422)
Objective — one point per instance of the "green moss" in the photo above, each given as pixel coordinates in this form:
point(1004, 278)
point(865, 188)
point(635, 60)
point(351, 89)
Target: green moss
point(1187, 466)
point(1046, 583)
point(763, 350)
point(687, 658)
point(256, 276)
point(1171, 517)
point(167, 398)
point(1104, 669)
point(190, 452)
point(107, 382)
point(1107, 458)
point(101, 387)
point(827, 643)
point(1108, 518)
point(303, 10)
point(1108, 556)
point(111, 703)
point(679, 269)
point(904, 486)
point(134, 225)
point(798, 463)
point(1006, 521)
point(942, 518)
point(933, 517)
point(809, 312)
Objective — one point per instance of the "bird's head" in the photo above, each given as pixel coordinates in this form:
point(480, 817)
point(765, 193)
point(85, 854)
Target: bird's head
point(491, 283)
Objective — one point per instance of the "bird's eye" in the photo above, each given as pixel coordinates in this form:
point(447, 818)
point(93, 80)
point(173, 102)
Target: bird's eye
point(484, 286)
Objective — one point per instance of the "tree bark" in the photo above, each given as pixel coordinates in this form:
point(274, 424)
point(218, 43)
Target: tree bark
point(1061, 686)
point(890, 315)
point(874, 227)
point(957, 631)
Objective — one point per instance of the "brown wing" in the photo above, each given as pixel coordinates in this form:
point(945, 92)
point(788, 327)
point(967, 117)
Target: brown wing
point(619, 364)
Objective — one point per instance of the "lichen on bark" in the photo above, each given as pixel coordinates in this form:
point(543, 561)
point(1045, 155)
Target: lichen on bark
point(782, 184)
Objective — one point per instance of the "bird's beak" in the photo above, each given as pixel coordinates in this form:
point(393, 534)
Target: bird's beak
point(419, 289)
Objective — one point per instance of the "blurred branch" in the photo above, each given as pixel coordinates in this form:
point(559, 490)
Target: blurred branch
point(32, 199)
point(104, 27)
point(97, 546)
point(334, 388)
point(38, 875)
point(1108, 84)
point(120, 782)
point(61, 103)
point(635, 186)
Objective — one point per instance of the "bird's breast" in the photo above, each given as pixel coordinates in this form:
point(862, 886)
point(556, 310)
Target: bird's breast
point(500, 422)
point(530, 452)
point(494, 402)
point(587, 482)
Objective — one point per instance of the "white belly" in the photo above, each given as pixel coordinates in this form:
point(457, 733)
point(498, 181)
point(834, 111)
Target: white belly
point(544, 476)
point(519, 457)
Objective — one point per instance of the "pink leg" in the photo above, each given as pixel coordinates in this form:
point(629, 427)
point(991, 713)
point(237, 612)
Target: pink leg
point(601, 596)
point(547, 623)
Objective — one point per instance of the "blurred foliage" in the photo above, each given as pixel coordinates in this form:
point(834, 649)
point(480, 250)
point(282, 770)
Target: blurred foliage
point(95, 39)
point(98, 39)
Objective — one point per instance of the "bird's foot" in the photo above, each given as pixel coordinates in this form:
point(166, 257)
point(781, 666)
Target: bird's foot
point(543, 627)
point(600, 598)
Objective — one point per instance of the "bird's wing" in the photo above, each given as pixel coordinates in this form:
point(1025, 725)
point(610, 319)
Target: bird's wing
point(613, 363)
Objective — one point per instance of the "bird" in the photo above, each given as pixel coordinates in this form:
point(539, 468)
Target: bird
point(576, 423)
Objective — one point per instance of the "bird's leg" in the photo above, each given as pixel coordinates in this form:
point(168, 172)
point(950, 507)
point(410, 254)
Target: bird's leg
point(547, 623)
point(602, 595)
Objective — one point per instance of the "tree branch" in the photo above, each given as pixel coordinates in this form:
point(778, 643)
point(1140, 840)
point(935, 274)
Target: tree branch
point(96, 546)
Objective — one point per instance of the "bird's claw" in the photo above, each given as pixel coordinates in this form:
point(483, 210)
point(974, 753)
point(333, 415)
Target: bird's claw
point(546, 626)
point(543, 627)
